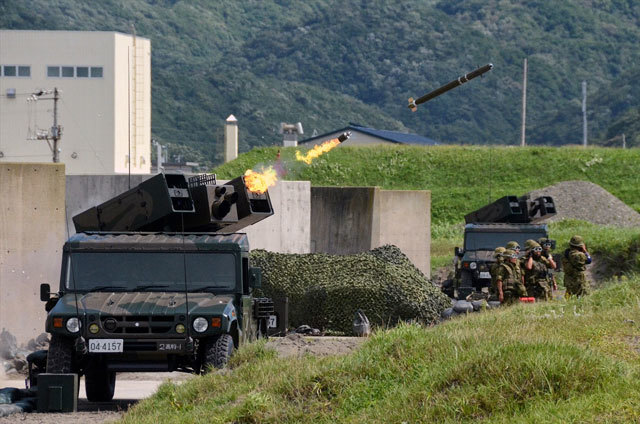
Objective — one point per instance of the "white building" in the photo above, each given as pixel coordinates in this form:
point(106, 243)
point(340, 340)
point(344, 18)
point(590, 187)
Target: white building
point(104, 81)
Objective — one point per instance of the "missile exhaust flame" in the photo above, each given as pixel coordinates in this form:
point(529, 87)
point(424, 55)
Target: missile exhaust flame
point(260, 181)
point(320, 149)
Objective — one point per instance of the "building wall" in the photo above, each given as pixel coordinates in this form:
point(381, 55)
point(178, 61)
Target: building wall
point(94, 112)
point(31, 239)
point(348, 220)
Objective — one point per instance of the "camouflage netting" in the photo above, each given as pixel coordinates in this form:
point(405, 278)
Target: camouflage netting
point(325, 290)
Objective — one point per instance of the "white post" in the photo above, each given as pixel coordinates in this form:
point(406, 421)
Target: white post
point(524, 103)
point(230, 139)
point(624, 141)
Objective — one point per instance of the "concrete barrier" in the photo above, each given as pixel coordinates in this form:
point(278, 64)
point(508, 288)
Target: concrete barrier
point(349, 220)
point(31, 239)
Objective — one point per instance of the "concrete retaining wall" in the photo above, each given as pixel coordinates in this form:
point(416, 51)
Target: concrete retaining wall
point(31, 238)
point(355, 219)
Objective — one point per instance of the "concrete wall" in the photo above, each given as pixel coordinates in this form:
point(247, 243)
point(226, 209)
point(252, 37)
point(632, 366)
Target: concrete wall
point(31, 239)
point(404, 219)
point(288, 230)
point(355, 219)
point(342, 219)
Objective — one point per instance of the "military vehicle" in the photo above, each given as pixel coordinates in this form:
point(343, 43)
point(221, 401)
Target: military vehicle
point(156, 279)
point(507, 219)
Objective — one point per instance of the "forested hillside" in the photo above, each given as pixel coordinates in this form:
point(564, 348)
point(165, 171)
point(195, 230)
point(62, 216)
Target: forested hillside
point(328, 62)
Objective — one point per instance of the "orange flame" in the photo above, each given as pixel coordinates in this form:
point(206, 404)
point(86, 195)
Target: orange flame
point(259, 182)
point(316, 151)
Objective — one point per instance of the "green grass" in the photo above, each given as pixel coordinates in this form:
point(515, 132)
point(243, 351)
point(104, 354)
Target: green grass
point(575, 361)
point(461, 178)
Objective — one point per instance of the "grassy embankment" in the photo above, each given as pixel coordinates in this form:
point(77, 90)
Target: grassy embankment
point(575, 361)
point(462, 179)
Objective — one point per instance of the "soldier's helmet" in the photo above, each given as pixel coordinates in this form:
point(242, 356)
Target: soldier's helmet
point(498, 251)
point(508, 253)
point(543, 240)
point(576, 241)
point(531, 244)
point(513, 245)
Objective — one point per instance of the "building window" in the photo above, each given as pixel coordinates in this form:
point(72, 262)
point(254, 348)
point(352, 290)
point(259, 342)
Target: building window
point(96, 72)
point(53, 71)
point(9, 71)
point(82, 72)
point(24, 71)
point(68, 72)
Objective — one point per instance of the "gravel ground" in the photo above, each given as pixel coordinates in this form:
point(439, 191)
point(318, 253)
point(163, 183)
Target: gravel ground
point(589, 202)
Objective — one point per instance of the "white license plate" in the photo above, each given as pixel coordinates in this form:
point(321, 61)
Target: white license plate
point(485, 274)
point(105, 345)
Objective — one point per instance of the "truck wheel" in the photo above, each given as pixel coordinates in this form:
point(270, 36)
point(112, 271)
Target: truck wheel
point(99, 384)
point(60, 355)
point(218, 351)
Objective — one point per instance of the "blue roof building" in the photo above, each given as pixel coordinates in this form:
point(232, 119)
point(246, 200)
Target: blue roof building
point(365, 136)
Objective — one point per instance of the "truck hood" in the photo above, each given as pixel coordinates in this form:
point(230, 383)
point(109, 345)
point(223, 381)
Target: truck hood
point(147, 303)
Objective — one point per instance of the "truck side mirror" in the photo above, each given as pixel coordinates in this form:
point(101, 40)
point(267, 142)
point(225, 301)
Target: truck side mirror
point(255, 278)
point(45, 292)
point(458, 252)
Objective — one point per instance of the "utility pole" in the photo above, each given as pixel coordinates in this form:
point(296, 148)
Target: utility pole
point(56, 130)
point(524, 103)
point(584, 114)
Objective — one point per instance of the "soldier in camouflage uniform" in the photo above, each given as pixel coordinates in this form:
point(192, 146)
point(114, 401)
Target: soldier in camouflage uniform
point(497, 254)
point(546, 253)
point(574, 262)
point(509, 279)
point(513, 245)
point(536, 271)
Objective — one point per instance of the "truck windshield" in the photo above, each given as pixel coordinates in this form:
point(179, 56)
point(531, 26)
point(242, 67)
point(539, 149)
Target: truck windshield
point(162, 271)
point(489, 241)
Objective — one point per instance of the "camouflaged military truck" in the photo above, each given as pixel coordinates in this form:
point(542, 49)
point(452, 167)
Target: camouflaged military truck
point(135, 296)
point(507, 219)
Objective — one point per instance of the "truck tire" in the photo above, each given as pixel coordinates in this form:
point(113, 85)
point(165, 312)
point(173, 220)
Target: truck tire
point(60, 355)
point(99, 384)
point(218, 351)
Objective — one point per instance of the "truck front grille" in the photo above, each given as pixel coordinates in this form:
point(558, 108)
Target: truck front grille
point(133, 324)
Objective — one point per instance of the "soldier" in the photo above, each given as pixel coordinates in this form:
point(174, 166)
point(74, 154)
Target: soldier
point(513, 245)
point(509, 279)
point(574, 262)
point(497, 254)
point(546, 253)
point(536, 271)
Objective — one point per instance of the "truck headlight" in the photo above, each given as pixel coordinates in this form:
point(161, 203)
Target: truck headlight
point(473, 265)
point(73, 325)
point(200, 324)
